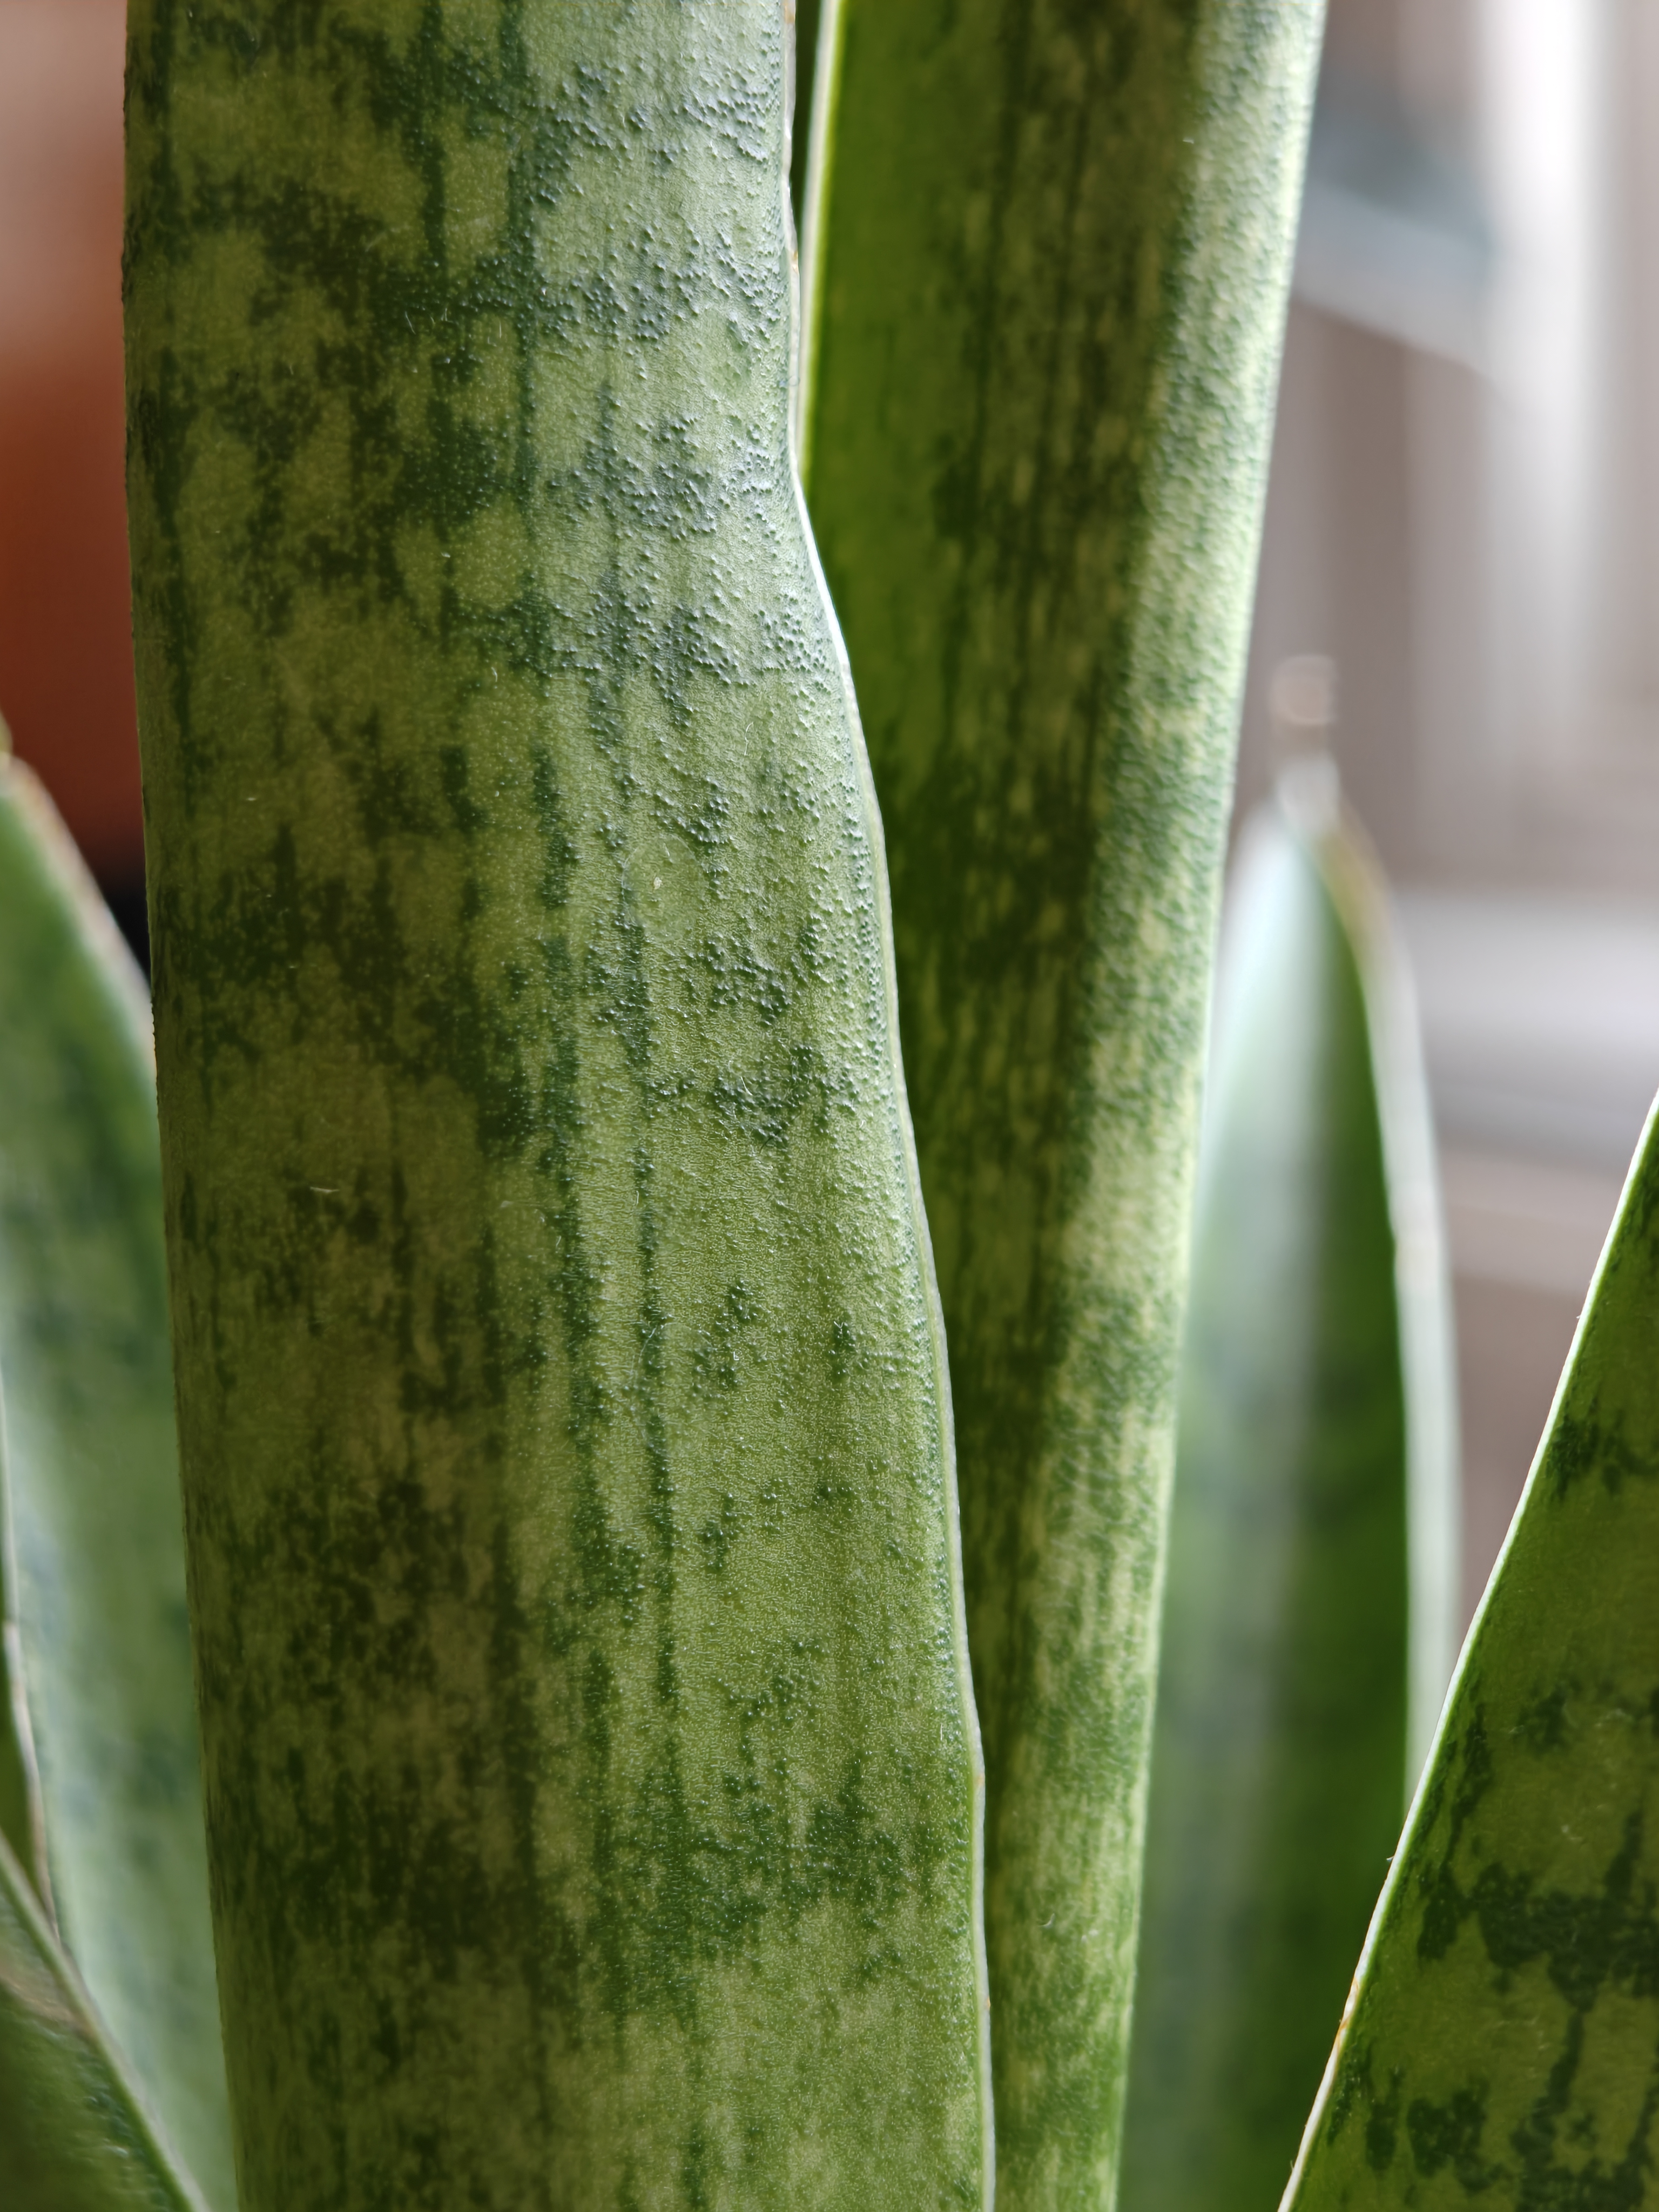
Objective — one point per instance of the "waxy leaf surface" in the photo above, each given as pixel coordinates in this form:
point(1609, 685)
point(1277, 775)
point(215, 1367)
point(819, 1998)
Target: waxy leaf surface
point(593, 1781)
point(1047, 255)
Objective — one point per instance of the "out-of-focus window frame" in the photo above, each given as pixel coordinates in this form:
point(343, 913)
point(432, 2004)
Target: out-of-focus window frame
point(1539, 737)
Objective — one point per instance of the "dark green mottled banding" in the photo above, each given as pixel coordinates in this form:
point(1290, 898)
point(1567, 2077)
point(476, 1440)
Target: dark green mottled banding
point(1051, 281)
point(592, 1773)
point(1502, 2043)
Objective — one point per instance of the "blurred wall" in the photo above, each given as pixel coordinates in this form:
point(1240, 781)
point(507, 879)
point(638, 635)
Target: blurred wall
point(65, 632)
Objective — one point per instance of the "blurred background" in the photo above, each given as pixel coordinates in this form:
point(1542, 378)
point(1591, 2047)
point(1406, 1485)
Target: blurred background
point(1463, 517)
point(65, 634)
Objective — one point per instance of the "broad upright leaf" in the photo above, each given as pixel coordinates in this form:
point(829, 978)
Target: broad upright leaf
point(1317, 1422)
point(75, 2135)
point(1501, 2045)
point(95, 1564)
point(1049, 263)
point(593, 1785)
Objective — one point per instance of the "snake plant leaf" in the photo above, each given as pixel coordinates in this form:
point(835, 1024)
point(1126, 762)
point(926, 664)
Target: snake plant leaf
point(1317, 1430)
point(1501, 2043)
point(76, 2135)
point(592, 1780)
point(1048, 254)
point(95, 1549)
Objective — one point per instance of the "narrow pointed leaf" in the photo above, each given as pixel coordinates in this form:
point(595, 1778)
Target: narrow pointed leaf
point(1317, 1364)
point(1048, 271)
point(592, 1780)
point(1501, 2043)
point(74, 2135)
point(95, 1519)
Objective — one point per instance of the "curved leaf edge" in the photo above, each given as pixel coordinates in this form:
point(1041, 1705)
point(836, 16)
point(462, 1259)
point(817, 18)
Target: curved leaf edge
point(93, 2146)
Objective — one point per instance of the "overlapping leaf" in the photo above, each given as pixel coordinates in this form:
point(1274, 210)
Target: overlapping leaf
point(1311, 1575)
point(98, 1636)
point(1048, 250)
point(74, 2134)
point(1502, 2042)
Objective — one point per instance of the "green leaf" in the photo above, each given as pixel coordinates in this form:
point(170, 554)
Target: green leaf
point(74, 2135)
point(1049, 263)
point(593, 1787)
point(96, 1556)
point(1501, 2040)
point(1317, 1440)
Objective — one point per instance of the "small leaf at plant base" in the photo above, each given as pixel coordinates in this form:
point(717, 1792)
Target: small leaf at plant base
point(75, 2135)
point(96, 1566)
